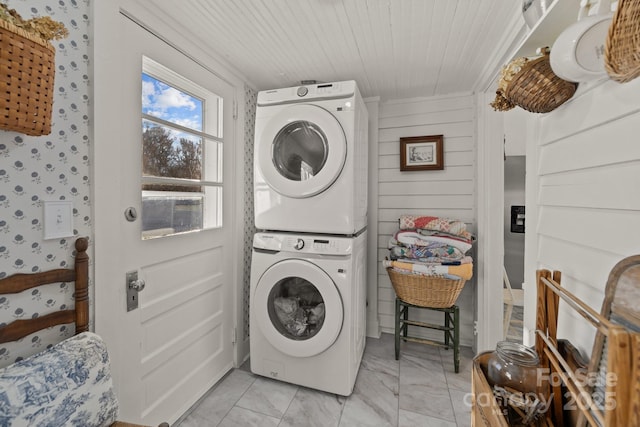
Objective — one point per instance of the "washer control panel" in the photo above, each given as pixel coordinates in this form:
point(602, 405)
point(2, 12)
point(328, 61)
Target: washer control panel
point(308, 244)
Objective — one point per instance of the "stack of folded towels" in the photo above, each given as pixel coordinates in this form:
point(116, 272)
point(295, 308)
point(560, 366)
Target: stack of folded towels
point(431, 246)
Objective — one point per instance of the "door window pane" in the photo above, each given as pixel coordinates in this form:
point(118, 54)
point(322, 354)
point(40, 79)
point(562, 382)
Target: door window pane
point(170, 212)
point(181, 154)
point(168, 103)
point(169, 153)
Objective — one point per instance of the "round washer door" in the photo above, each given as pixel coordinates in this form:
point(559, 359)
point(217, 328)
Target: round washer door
point(301, 150)
point(298, 308)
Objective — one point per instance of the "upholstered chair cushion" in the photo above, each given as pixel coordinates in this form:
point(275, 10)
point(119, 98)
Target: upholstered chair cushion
point(68, 384)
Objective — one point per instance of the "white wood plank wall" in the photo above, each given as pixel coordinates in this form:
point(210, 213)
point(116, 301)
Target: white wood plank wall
point(588, 194)
point(448, 193)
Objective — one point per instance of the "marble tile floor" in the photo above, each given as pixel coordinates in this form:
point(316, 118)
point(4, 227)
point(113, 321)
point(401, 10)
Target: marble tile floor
point(514, 333)
point(420, 389)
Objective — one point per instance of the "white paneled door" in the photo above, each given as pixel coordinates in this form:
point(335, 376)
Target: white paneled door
point(179, 341)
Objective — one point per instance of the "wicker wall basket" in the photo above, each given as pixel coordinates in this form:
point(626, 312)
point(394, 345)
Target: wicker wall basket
point(425, 291)
point(27, 68)
point(622, 48)
point(536, 88)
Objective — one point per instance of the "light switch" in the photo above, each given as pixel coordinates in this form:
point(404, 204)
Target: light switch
point(58, 219)
point(517, 219)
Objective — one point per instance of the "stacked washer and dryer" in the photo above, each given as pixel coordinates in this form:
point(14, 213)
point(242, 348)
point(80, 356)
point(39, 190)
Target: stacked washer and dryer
point(308, 269)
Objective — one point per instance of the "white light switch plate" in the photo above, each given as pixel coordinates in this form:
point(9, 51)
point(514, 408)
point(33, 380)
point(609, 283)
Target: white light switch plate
point(58, 219)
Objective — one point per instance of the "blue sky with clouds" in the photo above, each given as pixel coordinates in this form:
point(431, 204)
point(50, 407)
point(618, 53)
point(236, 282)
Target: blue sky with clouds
point(165, 102)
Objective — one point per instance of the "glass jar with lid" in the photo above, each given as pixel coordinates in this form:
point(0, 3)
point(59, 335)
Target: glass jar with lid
point(515, 366)
point(513, 372)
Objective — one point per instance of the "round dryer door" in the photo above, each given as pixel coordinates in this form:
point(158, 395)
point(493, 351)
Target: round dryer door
point(301, 150)
point(298, 308)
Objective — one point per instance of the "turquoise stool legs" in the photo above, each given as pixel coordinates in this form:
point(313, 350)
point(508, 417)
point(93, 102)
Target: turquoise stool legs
point(397, 332)
point(451, 332)
point(446, 334)
point(456, 340)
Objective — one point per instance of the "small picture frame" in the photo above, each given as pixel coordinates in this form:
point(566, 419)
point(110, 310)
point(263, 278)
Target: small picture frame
point(422, 153)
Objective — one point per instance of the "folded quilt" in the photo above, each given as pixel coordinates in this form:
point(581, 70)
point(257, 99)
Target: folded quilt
point(434, 223)
point(422, 253)
point(464, 271)
point(434, 260)
point(443, 234)
point(414, 238)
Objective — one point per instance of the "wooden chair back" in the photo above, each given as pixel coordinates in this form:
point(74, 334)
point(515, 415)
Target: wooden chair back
point(79, 315)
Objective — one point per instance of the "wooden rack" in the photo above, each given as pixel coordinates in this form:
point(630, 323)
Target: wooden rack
point(621, 345)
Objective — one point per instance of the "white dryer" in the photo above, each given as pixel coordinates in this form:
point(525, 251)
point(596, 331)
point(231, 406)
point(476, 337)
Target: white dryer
point(308, 309)
point(310, 159)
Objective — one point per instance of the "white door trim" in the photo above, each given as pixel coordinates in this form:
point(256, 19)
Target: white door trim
point(531, 235)
point(490, 193)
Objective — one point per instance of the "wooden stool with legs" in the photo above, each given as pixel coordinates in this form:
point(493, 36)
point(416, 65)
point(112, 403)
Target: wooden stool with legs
point(431, 293)
point(451, 329)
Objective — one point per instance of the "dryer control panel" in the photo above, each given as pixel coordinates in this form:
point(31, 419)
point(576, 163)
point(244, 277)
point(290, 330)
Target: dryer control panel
point(336, 90)
point(302, 243)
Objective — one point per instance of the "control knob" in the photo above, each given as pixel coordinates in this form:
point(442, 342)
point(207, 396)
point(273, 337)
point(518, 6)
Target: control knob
point(299, 244)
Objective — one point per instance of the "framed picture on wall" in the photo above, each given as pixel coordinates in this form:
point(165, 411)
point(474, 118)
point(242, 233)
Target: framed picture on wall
point(421, 153)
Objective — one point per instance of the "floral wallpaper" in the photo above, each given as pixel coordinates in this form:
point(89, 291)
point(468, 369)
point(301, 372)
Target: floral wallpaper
point(47, 168)
point(251, 101)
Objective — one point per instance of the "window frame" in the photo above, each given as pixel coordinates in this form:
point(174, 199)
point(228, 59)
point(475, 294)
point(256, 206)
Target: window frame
point(211, 137)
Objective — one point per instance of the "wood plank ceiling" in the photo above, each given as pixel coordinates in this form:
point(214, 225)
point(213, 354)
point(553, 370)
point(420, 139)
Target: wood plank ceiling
point(392, 48)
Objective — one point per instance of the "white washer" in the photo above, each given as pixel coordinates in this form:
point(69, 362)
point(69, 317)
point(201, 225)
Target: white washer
point(310, 159)
point(308, 309)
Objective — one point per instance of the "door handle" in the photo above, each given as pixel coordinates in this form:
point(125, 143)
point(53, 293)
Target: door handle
point(133, 285)
point(137, 285)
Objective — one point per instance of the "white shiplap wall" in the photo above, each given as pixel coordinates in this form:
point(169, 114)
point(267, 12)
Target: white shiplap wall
point(587, 196)
point(448, 193)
